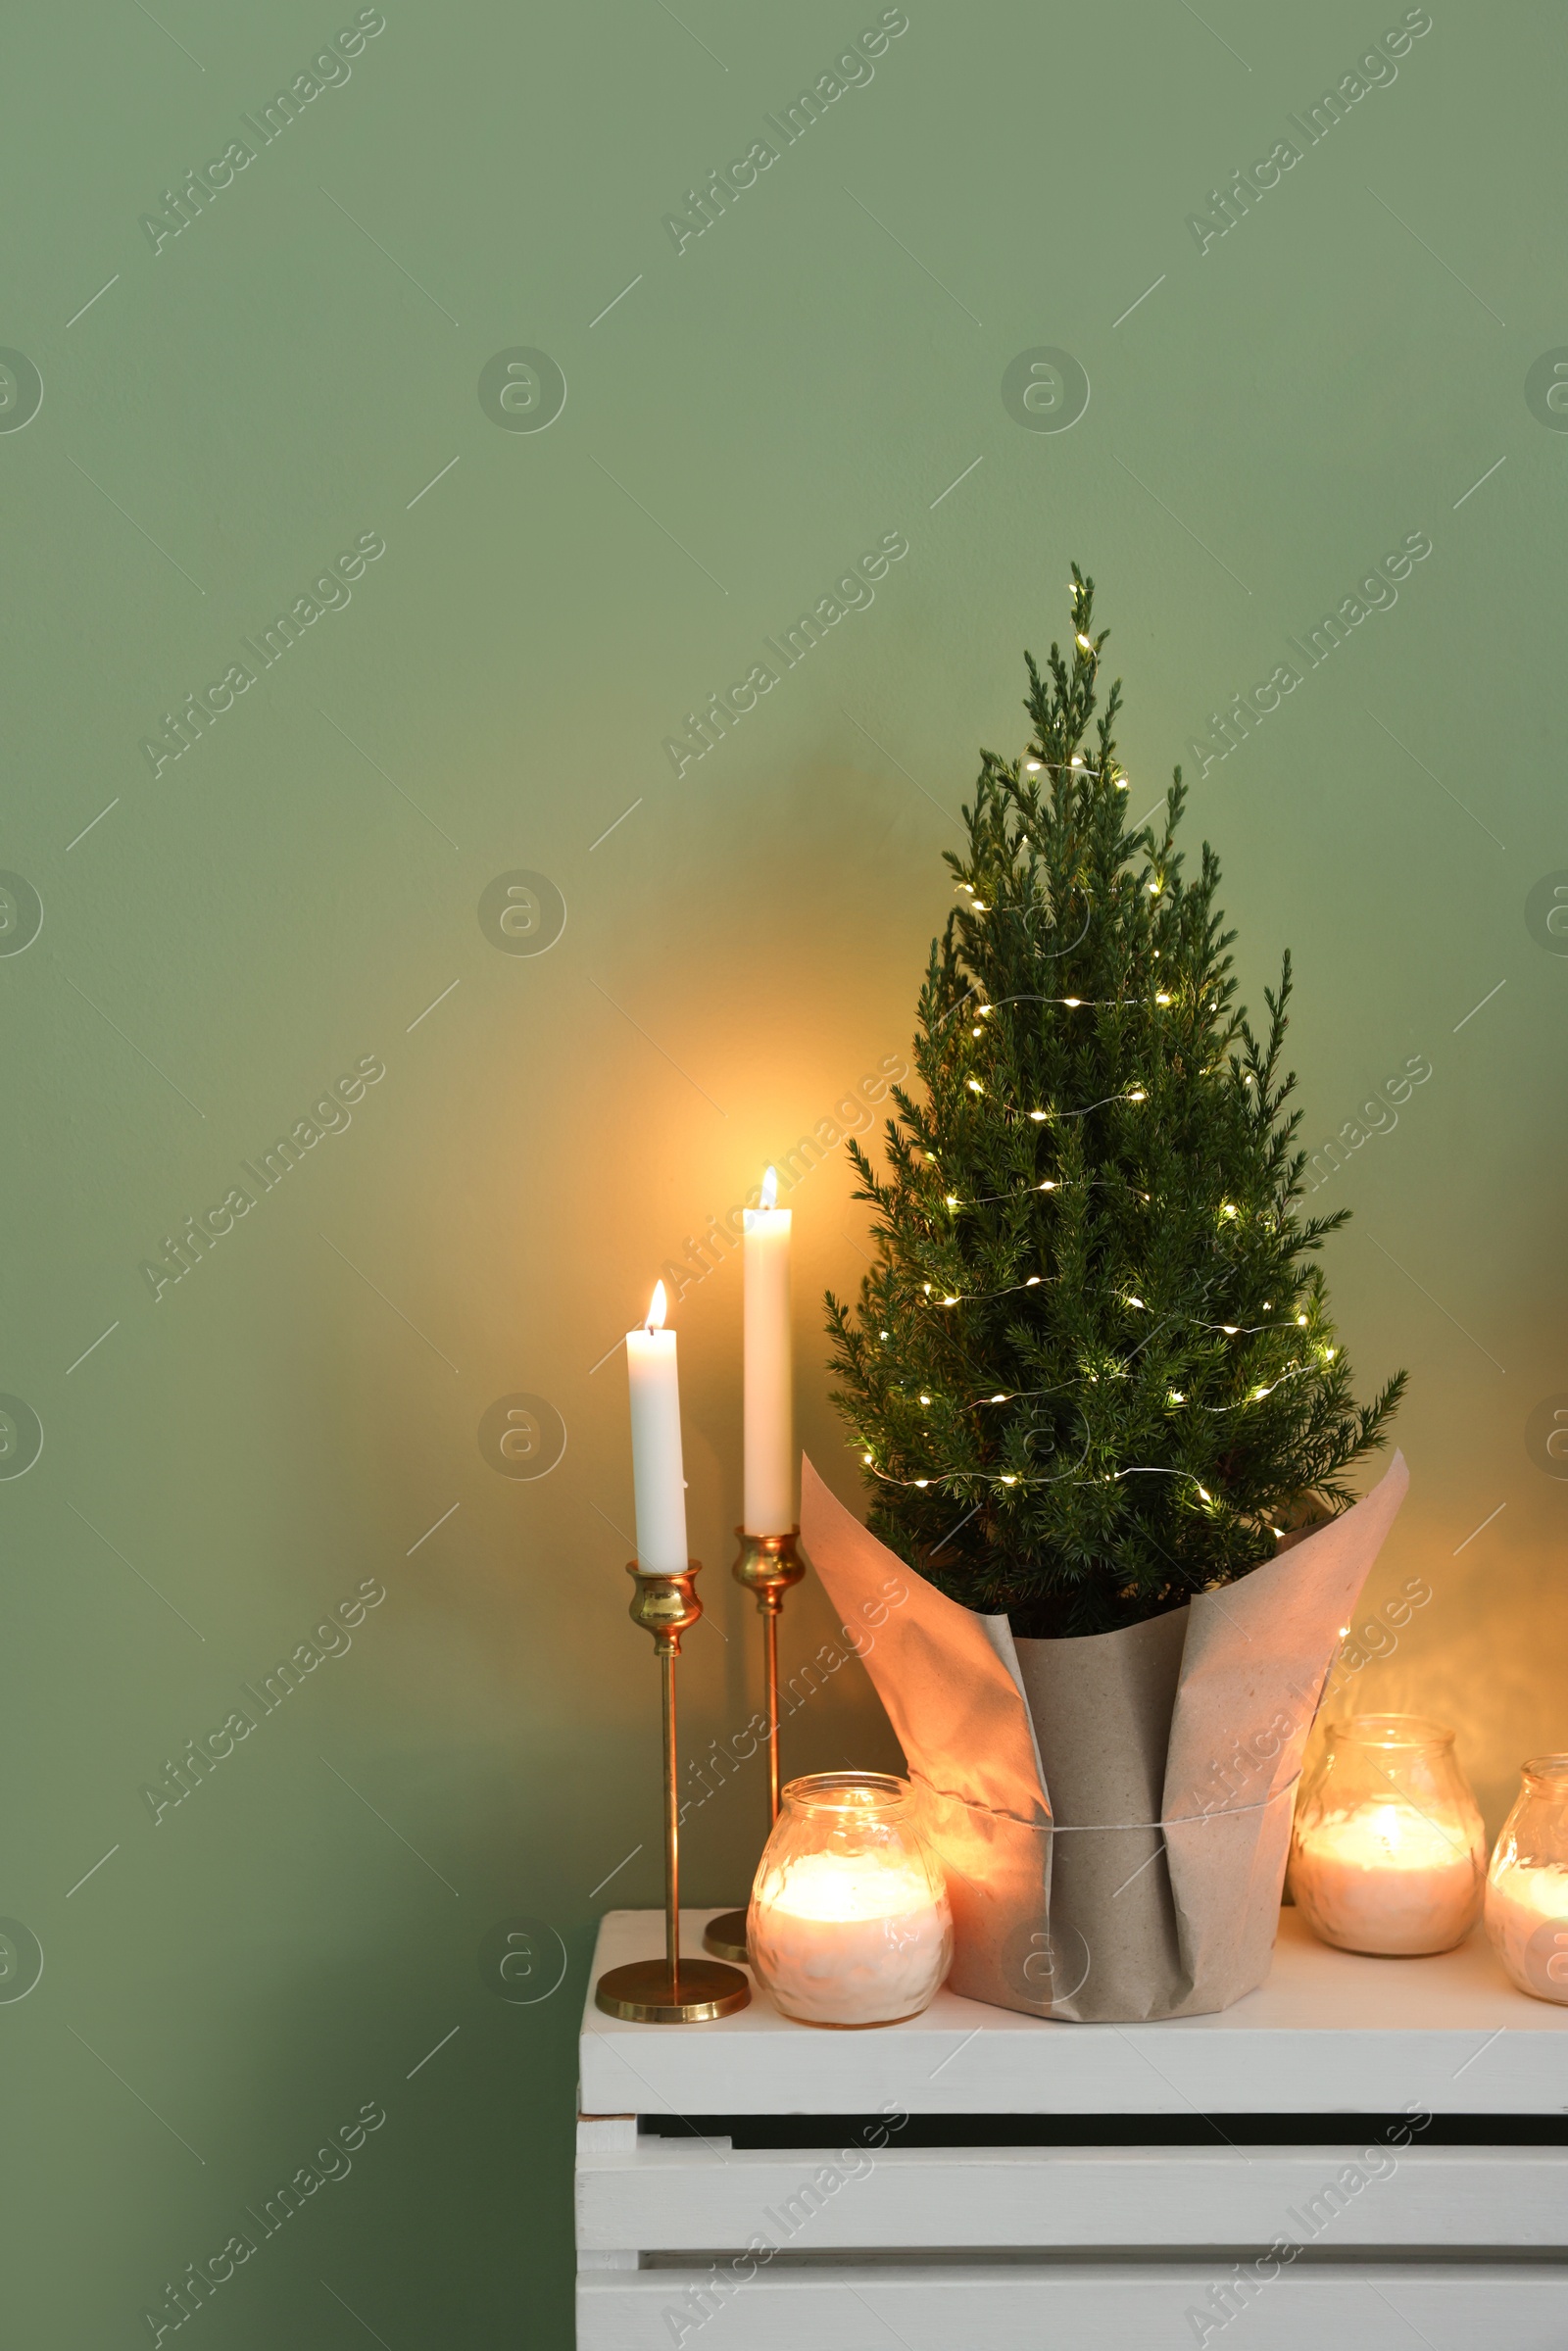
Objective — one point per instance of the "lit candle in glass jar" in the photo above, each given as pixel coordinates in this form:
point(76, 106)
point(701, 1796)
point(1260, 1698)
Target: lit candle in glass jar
point(1526, 1886)
point(849, 1922)
point(1387, 1853)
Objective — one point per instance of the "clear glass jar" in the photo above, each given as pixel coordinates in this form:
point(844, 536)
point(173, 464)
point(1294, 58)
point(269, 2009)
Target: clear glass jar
point(1527, 1885)
point(1388, 1852)
point(849, 1922)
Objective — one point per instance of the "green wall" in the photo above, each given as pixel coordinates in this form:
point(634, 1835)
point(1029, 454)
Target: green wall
point(299, 369)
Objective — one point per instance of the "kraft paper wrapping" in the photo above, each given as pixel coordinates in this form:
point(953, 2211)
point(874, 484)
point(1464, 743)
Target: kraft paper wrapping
point(1112, 1813)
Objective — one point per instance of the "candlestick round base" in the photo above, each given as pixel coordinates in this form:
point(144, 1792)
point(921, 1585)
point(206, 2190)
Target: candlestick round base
point(646, 1992)
point(725, 1936)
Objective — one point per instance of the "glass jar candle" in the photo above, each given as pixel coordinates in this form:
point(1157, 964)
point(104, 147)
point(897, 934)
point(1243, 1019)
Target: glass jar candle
point(848, 1921)
point(1388, 1853)
point(1527, 1885)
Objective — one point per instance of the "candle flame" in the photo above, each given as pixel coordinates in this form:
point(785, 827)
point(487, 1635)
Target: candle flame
point(771, 1189)
point(844, 1888)
point(657, 1308)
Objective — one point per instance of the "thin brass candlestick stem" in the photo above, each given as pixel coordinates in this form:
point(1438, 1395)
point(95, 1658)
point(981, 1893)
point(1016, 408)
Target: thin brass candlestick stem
point(669, 1990)
point(768, 1565)
point(666, 1662)
point(771, 1617)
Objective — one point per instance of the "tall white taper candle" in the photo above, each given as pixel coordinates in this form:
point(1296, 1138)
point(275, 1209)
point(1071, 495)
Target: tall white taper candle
point(656, 1457)
point(769, 1504)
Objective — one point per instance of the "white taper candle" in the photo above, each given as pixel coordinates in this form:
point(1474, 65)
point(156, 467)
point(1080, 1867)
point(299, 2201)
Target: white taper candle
point(655, 1456)
point(769, 1504)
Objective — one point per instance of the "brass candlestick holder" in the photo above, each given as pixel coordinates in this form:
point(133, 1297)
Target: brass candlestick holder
point(670, 1990)
point(768, 1565)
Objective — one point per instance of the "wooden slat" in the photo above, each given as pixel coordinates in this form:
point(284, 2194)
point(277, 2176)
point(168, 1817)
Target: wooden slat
point(1092, 2307)
point(679, 2194)
point(1329, 2032)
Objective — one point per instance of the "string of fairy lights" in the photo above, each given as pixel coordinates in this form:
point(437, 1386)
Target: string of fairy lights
point(1111, 1477)
point(1176, 1399)
point(1173, 1395)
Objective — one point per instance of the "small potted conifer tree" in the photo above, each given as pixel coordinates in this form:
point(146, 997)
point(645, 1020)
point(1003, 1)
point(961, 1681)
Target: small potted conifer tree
point(1091, 1377)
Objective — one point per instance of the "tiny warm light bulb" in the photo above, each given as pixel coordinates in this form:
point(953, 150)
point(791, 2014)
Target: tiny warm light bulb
point(1032, 1281)
point(999, 1399)
point(1074, 1000)
point(1040, 1114)
point(1137, 1094)
point(1133, 1302)
point(1302, 1320)
point(1203, 1491)
point(1230, 1329)
point(1050, 1184)
point(1162, 999)
point(1031, 766)
point(925, 1399)
point(953, 1200)
point(1085, 642)
point(922, 1481)
point(1009, 1480)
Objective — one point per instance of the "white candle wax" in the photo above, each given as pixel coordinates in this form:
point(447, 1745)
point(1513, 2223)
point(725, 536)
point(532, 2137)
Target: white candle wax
point(1527, 1919)
point(769, 1487)
point(655, 1457)
point(1387, 1880)
point(841, 1940)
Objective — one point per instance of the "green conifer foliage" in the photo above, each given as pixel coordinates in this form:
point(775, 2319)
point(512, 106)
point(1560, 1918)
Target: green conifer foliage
point(1092, 1370)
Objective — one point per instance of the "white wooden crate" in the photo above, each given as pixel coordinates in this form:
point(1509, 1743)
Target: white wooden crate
point(859, 2240)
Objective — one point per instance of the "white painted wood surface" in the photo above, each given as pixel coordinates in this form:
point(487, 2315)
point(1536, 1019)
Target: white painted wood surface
point(1328, 2033)
point(1100, 2307)
point(692, 2195)
point(1106, 2249)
